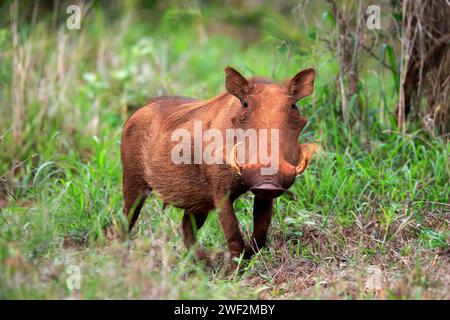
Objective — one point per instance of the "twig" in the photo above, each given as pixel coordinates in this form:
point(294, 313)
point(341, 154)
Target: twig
point(18, 165)
point(373, 55)
point(432, 202)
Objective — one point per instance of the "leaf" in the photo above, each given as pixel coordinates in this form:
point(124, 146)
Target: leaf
point(392, 62)
point(289, 220)
point(328, 16)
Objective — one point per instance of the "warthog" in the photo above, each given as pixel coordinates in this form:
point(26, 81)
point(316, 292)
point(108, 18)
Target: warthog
point(151, 138)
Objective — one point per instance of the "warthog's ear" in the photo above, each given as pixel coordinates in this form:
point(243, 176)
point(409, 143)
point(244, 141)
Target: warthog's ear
point(302, 84)
point(236, 84)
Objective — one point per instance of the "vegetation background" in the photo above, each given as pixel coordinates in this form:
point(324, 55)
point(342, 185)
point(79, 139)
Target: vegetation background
point(368, 219)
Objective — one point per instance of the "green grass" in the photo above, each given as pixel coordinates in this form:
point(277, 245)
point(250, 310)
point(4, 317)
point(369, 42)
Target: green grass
point(372, 197)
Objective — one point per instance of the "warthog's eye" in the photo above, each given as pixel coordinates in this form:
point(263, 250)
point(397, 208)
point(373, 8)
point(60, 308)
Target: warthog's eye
point(245, 112)
point(294, 115)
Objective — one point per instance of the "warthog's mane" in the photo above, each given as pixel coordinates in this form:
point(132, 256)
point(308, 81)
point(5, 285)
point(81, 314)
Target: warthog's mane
point(184, 112)
point(193, 108)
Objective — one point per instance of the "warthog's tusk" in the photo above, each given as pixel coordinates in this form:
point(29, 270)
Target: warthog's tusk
point(306, 152)
point(233, 159)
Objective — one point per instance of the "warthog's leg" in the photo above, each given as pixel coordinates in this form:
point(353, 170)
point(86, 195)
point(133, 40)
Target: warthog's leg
point(231, 229)
point(262, 216)
point(192, 222)
point(135, 191)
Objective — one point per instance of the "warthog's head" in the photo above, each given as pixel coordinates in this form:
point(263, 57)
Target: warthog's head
point(269, 166)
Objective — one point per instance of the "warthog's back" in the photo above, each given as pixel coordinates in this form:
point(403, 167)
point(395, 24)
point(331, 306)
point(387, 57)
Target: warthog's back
point(146, 154)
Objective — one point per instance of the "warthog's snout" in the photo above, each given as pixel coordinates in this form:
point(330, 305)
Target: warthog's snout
point(267, 190)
